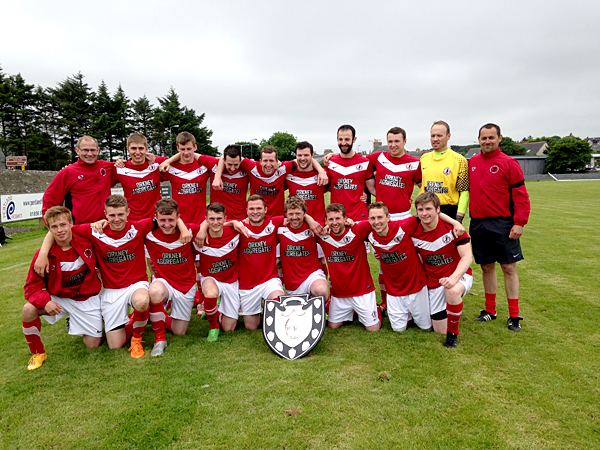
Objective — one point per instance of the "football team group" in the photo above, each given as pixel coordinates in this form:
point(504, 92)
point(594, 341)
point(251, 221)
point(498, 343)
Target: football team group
point(225, 258)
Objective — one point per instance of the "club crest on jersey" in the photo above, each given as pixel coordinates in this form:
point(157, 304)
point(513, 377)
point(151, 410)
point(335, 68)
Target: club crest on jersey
point(80, 177)
point(446, 239)
point(473, 169)
point(397, 239)
point(359, 167)
point(346, 239)
point(447, 171)
point(409, 167)
point(88, 253)
point(269, 229)
point(293, 324)
point(103, 171)
point(130, 234)
point(494, 169)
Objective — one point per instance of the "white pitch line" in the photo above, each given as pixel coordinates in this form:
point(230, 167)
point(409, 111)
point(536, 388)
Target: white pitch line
point(12, 267)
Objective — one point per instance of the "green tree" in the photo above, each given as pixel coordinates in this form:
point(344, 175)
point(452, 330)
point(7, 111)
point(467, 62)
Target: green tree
point(142, 116)
point(568, 153)
point(122, 116)
point(18, 115)
point(103, 126)
point(74, 100)
point(172, 118)
point(249, 149)
point(284, 142)
point(510, 147)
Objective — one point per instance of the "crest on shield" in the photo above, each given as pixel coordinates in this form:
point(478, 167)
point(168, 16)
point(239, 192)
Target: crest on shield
point(293, 324)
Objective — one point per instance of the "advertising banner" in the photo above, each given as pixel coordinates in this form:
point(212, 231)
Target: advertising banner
point(18, 207)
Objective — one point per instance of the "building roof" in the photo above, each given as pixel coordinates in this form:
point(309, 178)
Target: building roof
point(535, 148)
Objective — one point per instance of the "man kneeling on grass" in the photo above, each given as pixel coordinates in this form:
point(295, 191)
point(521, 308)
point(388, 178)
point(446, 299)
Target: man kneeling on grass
point(70, 287)
point(447, 262)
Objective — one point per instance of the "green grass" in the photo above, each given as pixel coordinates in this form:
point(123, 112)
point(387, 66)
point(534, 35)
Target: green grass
point(539, 388)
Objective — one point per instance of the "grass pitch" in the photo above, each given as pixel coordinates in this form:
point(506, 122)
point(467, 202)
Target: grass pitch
point(539, 388)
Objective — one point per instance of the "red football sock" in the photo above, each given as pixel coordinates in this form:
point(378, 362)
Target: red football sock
point(157, 318)
point(199, 297)
point(140, 319)
point(211, 309)
point(513, 307)
point(33, 334)
point(379, 313)
point(454, 312)
point(490, 303)
point(169, 323)
point(129, 329)
point(327, 303)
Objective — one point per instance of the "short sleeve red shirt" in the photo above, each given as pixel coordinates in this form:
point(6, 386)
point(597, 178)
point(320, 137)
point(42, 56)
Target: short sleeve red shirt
point(347, 261)
point(400, 263)
point(439, 251)
point(141, 185)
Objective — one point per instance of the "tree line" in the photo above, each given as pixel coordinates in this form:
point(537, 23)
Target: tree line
point(44, 124)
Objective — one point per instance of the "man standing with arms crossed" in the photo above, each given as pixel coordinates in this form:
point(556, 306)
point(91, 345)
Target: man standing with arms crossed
point(446, 173)
point(499, 210)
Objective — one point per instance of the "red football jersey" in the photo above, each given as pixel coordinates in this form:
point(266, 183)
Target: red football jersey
point(141, 185)
point(395, 179)
point(188, 189)
point(120, 254)
point(234, 193)
point(219, 256)
point(299, 256)
point(304, 185)
point(438, 248)
point(400, 263)
point(257, 253)
point(83, 188)
point(67, 278)
point(271, 188)
point(73, 272)
point(347, 261)
point(347, 177)
point(173, 260)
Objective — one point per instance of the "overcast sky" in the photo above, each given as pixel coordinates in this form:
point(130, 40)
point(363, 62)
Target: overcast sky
point(257, 67)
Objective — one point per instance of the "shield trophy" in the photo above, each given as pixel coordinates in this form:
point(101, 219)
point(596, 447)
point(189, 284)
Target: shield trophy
point(293, 324)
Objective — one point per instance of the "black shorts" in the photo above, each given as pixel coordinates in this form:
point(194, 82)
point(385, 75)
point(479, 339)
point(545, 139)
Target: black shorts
point(449, 210)
point(490, 241)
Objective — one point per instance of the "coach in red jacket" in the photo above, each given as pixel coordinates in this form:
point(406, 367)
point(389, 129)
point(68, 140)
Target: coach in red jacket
point(70, 287)
point(499, 210)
